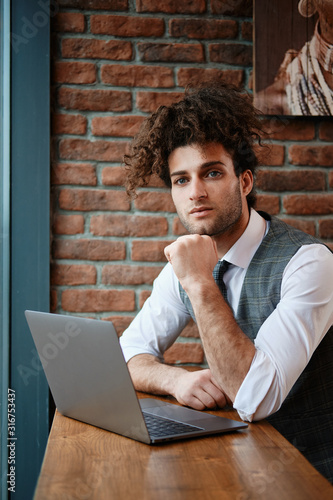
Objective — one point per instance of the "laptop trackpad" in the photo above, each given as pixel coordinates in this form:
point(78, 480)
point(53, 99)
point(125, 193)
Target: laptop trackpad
point(169, 410)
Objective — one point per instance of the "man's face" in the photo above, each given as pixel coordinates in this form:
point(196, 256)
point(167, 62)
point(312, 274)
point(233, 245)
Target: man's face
point(210, 199)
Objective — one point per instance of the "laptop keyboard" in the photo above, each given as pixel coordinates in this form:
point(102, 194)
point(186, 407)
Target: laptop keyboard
point(160, 427)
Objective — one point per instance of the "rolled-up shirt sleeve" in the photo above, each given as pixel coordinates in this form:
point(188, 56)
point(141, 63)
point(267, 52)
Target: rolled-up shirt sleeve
point(291, 334)
point(160, 321)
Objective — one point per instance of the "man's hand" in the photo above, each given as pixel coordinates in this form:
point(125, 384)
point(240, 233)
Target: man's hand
point(192, 256)
point(198, 390)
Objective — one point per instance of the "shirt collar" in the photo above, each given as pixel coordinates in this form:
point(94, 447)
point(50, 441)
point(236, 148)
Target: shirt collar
point(241, 253)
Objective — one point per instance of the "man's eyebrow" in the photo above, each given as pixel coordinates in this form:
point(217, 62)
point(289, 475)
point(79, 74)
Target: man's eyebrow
point(203, 166)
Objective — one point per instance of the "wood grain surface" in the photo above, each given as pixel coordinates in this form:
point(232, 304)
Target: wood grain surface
point(84, 462)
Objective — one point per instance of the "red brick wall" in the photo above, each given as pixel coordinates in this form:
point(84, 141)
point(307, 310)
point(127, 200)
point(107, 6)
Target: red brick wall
point(114, 62)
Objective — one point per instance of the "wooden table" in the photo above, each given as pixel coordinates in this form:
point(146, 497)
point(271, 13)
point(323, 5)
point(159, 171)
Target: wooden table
point(84, 462)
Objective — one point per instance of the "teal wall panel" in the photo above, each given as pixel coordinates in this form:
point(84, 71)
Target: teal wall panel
point(4, 234)
point(30, 188)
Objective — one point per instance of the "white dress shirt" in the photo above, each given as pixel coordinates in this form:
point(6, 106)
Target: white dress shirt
point(285, 341)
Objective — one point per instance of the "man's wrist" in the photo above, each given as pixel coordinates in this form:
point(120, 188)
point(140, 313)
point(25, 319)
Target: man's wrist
point(199, 287)
point(171, 380)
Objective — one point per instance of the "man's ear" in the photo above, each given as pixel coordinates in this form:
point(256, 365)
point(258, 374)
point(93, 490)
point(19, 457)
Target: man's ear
point(246, 181)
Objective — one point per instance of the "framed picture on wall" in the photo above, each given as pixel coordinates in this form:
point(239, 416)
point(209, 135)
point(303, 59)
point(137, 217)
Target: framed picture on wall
point(293, 57)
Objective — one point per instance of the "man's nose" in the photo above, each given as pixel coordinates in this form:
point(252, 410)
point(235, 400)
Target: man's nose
point(198, 189)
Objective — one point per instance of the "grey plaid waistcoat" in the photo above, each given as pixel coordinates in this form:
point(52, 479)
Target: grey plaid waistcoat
point(306, 416)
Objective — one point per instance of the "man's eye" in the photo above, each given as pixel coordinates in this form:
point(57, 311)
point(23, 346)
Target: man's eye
point(214, 173)
point(180, 181)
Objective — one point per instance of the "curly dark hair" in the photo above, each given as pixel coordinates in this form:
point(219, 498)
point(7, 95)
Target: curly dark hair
point(213, 112)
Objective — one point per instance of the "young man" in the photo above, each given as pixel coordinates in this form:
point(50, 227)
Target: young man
point(265, 324)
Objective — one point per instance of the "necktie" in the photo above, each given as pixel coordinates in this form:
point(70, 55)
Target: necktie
point(218, 274)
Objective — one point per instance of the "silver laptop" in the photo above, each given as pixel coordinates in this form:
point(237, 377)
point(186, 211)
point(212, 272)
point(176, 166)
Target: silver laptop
point(90, 382)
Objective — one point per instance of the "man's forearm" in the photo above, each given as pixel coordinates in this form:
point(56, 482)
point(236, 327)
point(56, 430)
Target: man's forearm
point(229, 352)
point(150, 375)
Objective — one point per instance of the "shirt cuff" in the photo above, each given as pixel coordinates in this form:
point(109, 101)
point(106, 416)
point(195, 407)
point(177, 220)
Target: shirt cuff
point(129, 351)
point(255, 398)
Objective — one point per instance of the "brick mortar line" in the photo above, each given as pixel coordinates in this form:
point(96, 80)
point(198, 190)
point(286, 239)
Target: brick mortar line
point(163, 64)
point(102, 286)
point(100, 264)
point(130, 12)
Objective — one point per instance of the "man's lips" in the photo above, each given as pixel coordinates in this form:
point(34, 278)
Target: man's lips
point(200, 211)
